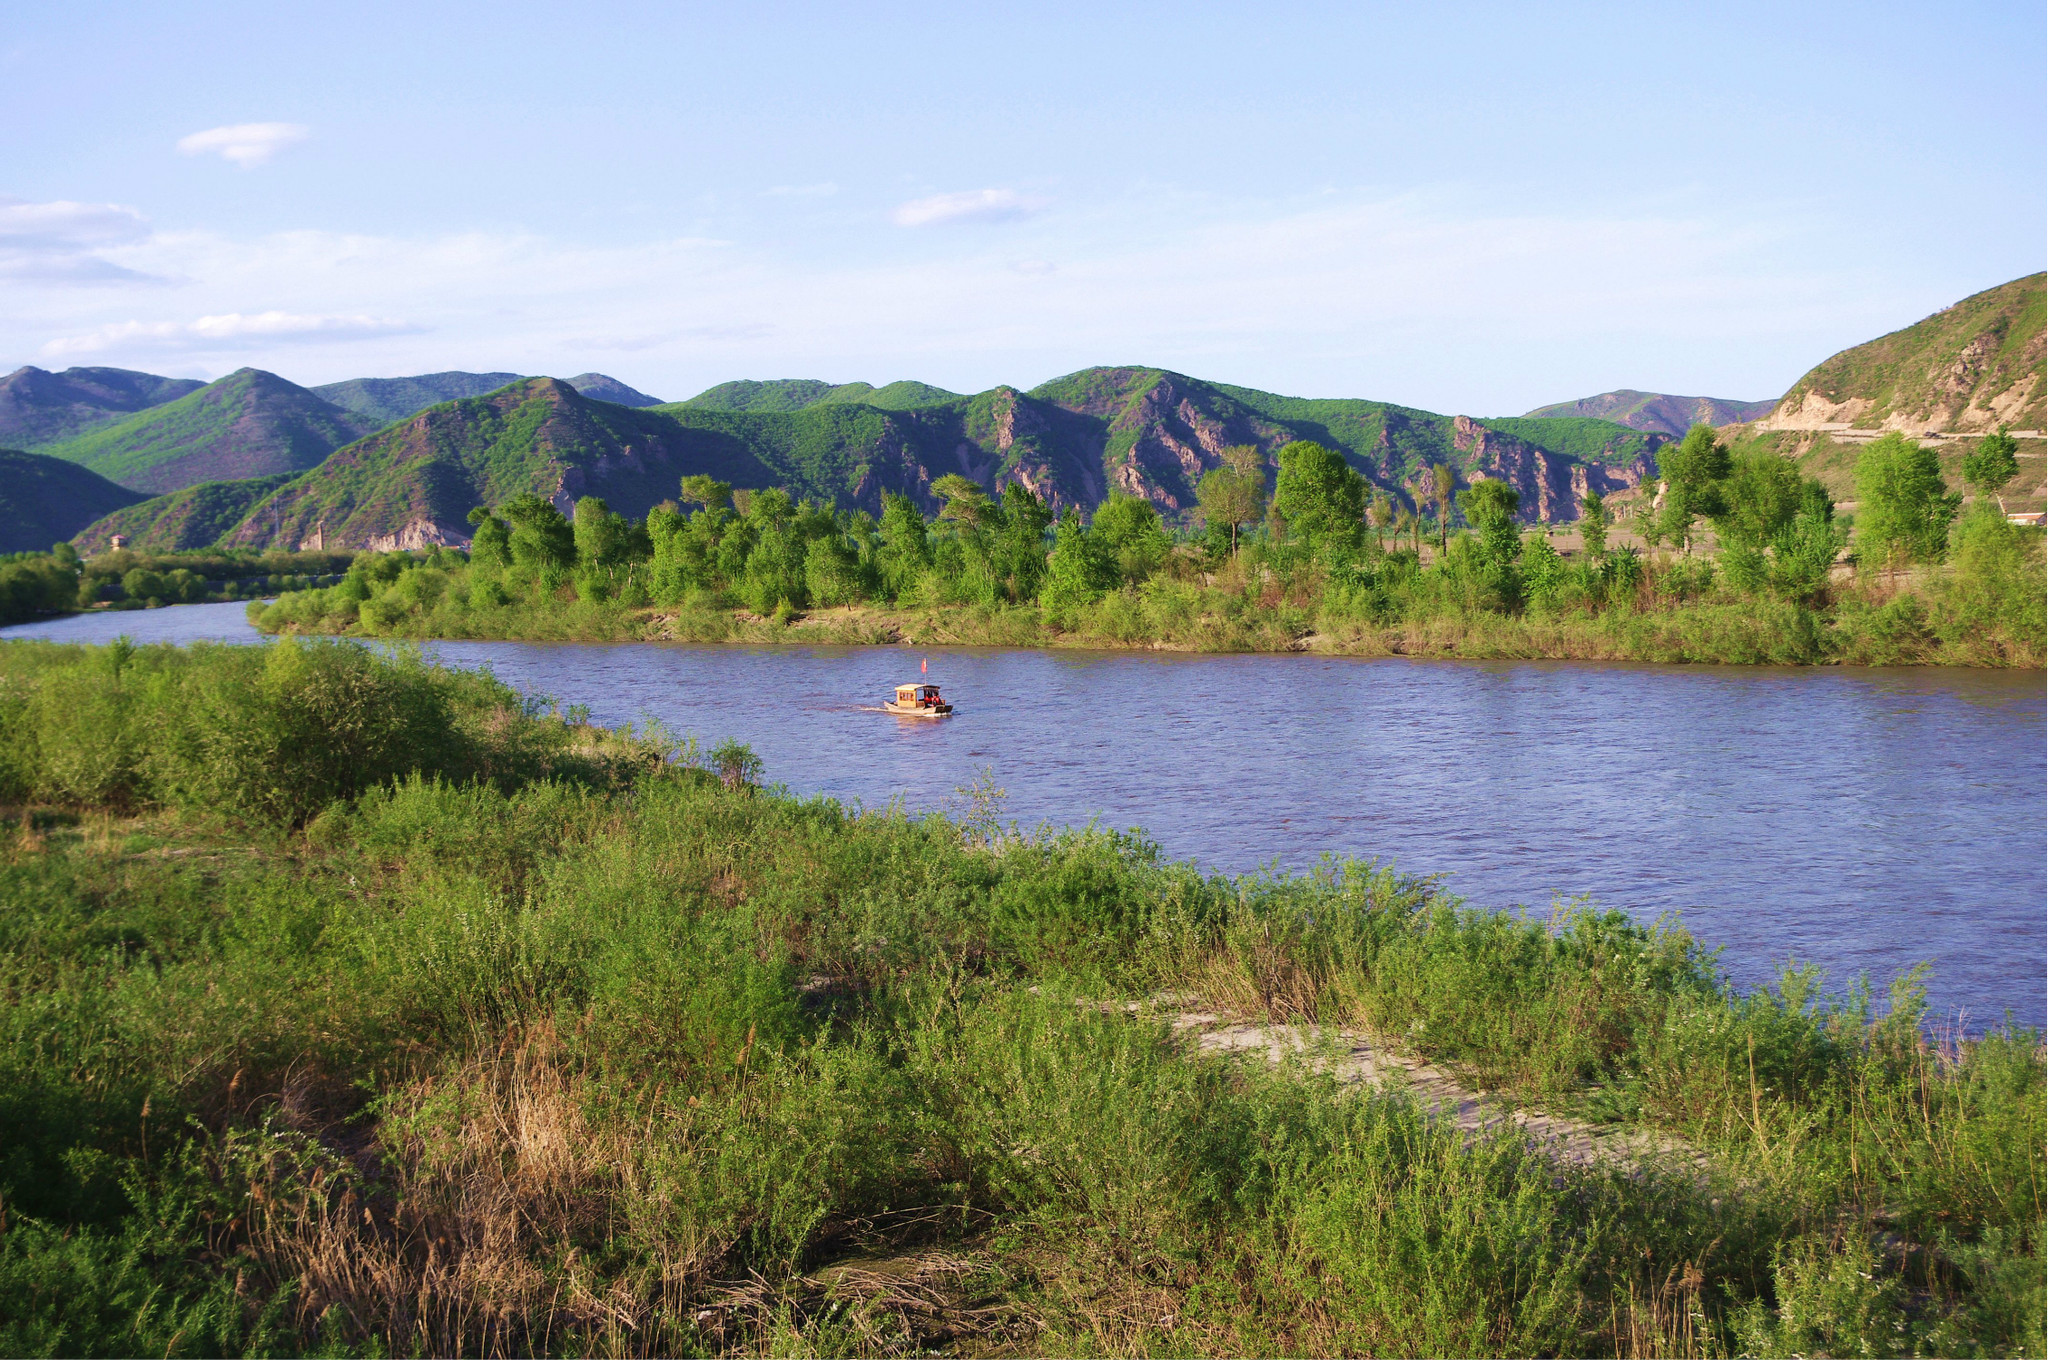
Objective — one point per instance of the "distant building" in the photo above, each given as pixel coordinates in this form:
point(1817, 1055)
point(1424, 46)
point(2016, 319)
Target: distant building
point(117, 542)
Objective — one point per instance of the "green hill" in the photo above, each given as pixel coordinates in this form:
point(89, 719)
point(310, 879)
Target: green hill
point(383, 400)
point(248, 424)
point(1966, 369)
point(46, 500)
point(903, 395)
point(599, 387)
point(415, 482)
point(39, 408)
point(798, 394)
point(1656, 412)
point(185, 520)
point(780, 395)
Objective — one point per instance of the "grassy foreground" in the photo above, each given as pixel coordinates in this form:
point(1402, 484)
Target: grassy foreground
point(355, 1006)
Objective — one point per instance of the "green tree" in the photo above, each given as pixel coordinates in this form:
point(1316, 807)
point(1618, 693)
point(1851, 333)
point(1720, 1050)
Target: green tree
point(601, 536)
point(1408, 524)
point(1758, 497)
point(1692, 471)
point(144, 585)
point(1234, 493)
point(1318, 493)
point(1081, 569)
point(542, 541)
point(491, 548)
point(1131, 534)
point(1993, 463)
point(1024, 520)
point(1593, 521)
point(1490, 506)
point(965, 501)
point(1442, 482)
point(1380, 514)
point(1903, 508)
point(905, 553)
point(709, 492)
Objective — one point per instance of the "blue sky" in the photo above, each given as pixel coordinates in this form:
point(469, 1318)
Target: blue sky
point(1466, 208)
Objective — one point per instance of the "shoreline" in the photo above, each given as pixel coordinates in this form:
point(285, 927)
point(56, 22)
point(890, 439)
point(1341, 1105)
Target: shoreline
point(1697, 635)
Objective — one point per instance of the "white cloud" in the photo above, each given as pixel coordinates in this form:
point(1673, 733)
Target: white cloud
point(61, 242)
point(67, 226)
point(230, 330)
point(1435, 300)
point(973, 205)
point(246, 144)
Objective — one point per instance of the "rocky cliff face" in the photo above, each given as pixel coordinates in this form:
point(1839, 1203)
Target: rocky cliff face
point(1550, 485)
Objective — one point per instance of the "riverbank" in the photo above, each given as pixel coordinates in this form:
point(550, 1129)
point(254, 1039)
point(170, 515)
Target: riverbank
point(1907, 626)
point(356, 1004)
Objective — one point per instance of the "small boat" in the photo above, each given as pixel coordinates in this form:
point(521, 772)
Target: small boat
point(918, 701)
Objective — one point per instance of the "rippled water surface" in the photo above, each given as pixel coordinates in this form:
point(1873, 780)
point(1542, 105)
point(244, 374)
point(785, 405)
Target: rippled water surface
point(1862, 819)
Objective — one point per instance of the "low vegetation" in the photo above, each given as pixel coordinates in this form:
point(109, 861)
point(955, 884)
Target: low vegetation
point(1316, 560)
point(354, 1005)
point(59, 581)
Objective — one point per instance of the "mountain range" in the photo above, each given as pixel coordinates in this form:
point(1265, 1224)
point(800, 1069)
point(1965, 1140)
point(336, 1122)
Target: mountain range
point(1145, 431)
point(254, 460)
point(155, 434)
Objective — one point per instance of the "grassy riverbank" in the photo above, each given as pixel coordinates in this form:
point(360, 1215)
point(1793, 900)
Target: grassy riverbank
point(1932, 617)
point(354, 1006)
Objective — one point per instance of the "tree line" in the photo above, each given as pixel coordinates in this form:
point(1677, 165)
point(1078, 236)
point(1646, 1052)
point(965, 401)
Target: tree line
point(1275, 549)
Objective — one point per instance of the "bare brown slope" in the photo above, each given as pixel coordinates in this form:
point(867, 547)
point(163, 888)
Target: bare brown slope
point(1965, 370)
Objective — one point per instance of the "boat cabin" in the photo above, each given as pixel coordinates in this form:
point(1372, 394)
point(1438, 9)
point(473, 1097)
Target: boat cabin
point(918, 701)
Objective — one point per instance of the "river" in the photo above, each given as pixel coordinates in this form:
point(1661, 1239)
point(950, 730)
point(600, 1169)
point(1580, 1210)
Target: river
point(1861, 819)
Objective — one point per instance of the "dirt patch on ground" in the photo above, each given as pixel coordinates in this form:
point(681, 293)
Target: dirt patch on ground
point(1357, 1059)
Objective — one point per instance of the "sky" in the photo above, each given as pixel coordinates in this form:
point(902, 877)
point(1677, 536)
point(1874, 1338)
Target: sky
point(1466, 208)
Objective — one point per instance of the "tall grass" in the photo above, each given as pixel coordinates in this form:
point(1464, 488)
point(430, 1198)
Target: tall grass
point(519, 1037)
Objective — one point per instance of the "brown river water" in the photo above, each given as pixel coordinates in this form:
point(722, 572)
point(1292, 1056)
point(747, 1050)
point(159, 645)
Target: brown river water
point(1861, 819)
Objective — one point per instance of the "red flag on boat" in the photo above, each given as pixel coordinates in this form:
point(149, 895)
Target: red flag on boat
point(924, 667)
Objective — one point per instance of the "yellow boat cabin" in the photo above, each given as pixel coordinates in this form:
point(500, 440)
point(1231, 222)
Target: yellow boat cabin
point(919, 701)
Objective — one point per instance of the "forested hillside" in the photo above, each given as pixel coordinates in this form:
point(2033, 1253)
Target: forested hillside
point(248, 424)
point(38, 407)
point(186, 520)
point(46, 500)
point(383, 400)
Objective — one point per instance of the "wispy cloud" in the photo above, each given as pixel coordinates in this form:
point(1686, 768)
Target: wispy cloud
point(246, 144)
point(972, 205)
point(64, 225)
point(1434, 300)
point(60, 242)
point(230, 330)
